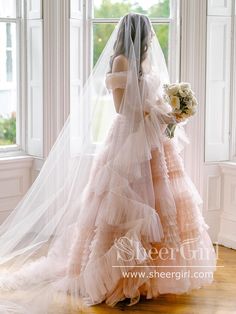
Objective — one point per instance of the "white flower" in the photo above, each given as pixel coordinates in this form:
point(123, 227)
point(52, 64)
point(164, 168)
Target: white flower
point(185, 86)
point(175, 102)
point(172, 89)
point(193, 109)
point(181, 98)
point(183, 93)
point(189, 103)
point(194, 101)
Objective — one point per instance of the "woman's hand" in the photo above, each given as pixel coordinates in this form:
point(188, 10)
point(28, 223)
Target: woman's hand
point(171, 118)
point(165, 118)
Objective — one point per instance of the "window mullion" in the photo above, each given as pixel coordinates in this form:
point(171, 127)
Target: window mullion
point(8, 20)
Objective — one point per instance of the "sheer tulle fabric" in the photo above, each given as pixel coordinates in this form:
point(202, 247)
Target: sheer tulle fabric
point(59, 247)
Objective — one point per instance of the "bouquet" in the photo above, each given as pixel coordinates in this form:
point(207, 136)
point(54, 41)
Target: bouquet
point(183, 103)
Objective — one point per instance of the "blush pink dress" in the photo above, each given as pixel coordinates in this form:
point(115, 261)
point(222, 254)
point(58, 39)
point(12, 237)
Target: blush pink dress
point(100, 255)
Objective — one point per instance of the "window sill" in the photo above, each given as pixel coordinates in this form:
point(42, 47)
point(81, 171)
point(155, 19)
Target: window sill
point(20, 161)
point(15, 151)
point(228, 167)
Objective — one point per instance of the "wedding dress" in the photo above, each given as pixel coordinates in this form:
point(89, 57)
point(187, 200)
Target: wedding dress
point(100, 212)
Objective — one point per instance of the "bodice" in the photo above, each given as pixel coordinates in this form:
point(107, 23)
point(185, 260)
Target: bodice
point(149, 87)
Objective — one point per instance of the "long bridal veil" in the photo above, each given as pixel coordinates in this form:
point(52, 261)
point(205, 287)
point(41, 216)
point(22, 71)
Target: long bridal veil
point(94, 186)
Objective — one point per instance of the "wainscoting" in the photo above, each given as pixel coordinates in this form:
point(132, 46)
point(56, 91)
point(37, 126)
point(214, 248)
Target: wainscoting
point(15, 180)
point(220, 202)
point(219, 193)
point(227, 232)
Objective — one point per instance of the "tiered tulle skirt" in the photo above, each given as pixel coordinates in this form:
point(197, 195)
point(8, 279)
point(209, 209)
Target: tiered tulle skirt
point(129, 247)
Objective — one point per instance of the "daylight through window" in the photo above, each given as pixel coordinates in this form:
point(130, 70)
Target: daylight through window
point(8, 73)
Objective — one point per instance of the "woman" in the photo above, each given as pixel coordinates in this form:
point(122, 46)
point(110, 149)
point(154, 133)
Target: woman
point(104, 230)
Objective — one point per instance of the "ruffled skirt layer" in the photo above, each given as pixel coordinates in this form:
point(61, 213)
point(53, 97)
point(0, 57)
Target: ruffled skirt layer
point(129, 247)
point(139, 230)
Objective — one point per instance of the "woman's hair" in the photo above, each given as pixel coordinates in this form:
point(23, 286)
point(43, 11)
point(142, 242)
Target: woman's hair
point(127, 35)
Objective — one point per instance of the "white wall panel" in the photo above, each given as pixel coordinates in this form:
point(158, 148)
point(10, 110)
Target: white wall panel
point(218, 89)
point(212, 196)
point(227, 234)
point(15, 180)
point(230, 194)
point(219, 7)
point(76, 9)
point(219, 205)
point(213, 192)
point(34, 9)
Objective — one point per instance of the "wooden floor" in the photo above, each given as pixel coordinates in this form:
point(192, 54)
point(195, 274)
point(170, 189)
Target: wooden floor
point(219, 298)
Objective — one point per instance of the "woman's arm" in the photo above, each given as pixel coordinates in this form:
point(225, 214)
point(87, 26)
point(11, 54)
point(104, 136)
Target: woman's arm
point(120, 64)
point(165, 117)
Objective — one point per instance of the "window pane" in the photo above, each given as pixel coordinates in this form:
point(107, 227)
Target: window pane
point(162, 32)
point(118, 8)
point(101, 34)
point(8, 94)
point(8, 8)
point(102, 119)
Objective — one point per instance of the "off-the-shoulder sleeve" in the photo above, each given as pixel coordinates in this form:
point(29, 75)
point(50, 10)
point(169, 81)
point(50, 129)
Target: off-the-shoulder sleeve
point(116, 80)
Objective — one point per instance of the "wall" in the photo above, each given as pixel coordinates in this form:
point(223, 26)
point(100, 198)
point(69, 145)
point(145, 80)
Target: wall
point(15, 179)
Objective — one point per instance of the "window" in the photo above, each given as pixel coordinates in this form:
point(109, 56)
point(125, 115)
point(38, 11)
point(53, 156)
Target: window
point(92, 23)
point(103, 15)
point(9, 51)
point(9, 64)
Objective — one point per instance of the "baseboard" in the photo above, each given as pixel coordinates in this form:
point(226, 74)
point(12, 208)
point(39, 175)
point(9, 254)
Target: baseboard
point(227, 241)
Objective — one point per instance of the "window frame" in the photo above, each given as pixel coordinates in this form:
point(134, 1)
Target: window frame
point(9, 49)
point(174, 44)
point(174, 36)
point(19, 147)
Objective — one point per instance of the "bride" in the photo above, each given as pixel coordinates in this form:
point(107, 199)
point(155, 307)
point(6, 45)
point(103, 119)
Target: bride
point(115, 217)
